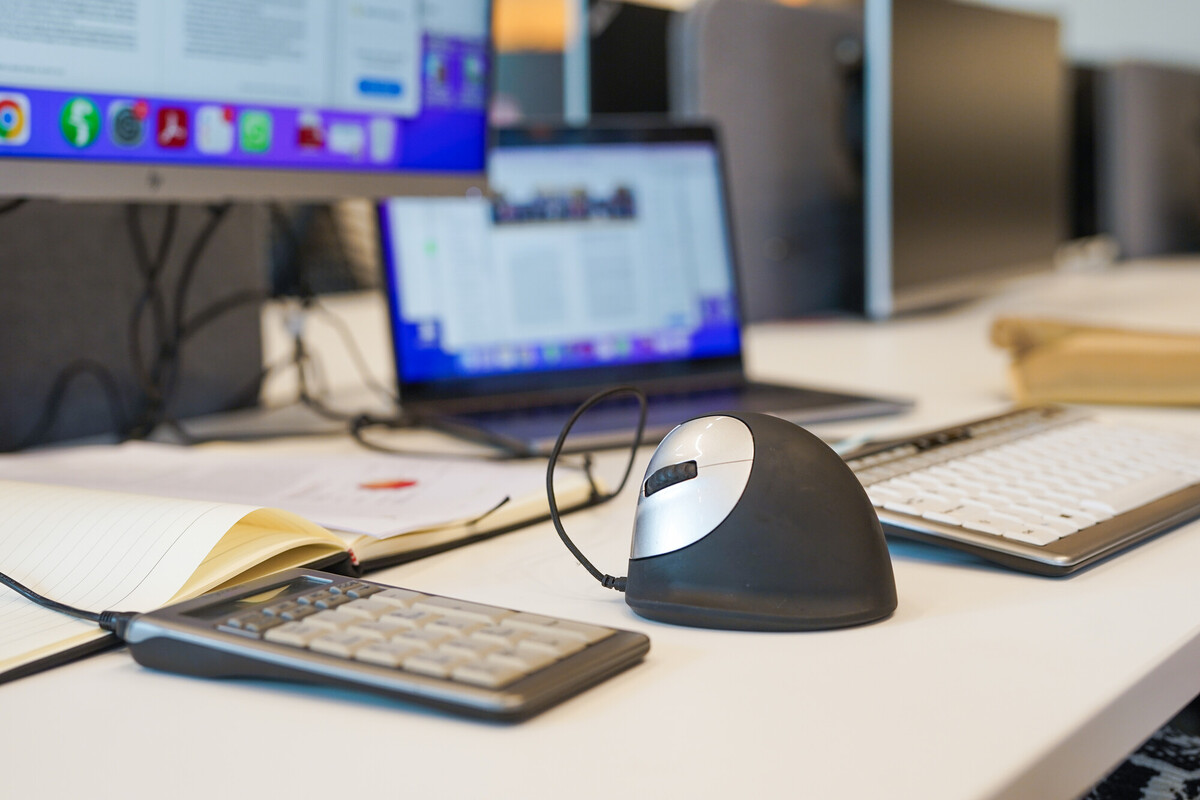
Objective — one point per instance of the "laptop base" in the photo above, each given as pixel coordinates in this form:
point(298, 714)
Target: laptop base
point(533, 431)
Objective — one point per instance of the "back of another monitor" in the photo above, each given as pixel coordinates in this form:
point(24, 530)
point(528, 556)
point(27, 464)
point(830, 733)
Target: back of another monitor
point(971, 166)
point(1148, 168)
point(784, 85)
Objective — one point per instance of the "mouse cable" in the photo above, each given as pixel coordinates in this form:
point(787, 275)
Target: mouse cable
point(608, 581)
point(112, 621)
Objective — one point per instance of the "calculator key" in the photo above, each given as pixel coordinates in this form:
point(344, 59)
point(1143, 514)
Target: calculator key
point(366, 609)
point(299, 612)
point(524, 660)
point(504, 635)
point(324, 599)
point(354, 589)
point(526, 620)
point(474, 648)
point(377, 629)
point(332, 620)
point(255, 623)
point(557, 646)
point(461, 608)
point(296, 634)
point(581, 631)
point(279, 609)
point(385, 654)
point(435, 663)
point(488, 674)
point(454, 626)
point(422, 638)
point(402, 598)
point(535, 623)
point(410, 617)
point(339, 643)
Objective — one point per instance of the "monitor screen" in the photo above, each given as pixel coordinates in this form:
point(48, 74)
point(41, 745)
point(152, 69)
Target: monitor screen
point(591, 255)
point(243, 99)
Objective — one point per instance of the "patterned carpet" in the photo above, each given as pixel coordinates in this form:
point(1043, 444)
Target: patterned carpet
point(1166, 767)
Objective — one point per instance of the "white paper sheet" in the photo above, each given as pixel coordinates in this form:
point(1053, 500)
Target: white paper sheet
point(333, 490)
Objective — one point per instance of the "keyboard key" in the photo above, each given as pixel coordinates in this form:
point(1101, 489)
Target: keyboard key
point(1033, 534)
point(1139, 493)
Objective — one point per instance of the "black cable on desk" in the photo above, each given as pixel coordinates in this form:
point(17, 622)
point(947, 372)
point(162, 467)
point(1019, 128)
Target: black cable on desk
point(113, 621)
point(13, 205)
point(52, 405)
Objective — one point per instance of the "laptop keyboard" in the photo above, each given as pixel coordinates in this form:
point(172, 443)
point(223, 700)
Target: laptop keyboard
point(1045, 490)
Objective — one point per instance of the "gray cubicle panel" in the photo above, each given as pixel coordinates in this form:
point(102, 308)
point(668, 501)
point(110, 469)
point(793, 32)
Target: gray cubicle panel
point(1148, 157)
point(784, 86)
point(68, 285)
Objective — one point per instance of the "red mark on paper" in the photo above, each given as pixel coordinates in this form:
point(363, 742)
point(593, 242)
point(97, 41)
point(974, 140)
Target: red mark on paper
point(398, 484)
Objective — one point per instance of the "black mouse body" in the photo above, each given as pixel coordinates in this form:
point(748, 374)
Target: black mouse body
point(749, 522)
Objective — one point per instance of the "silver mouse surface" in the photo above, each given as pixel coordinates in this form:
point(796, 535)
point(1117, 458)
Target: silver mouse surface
point(749, 522)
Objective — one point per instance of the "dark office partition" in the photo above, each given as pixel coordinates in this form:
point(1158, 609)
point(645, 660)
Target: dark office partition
point(68, 285)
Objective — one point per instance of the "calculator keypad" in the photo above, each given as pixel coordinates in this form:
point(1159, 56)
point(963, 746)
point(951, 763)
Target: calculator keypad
point(422, 634)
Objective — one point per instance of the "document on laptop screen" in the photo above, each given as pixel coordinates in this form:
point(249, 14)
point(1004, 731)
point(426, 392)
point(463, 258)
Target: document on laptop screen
point(588, 255)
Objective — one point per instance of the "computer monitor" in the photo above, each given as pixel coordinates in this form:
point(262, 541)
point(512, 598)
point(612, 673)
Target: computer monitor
point(256, 99)
point(965, 153)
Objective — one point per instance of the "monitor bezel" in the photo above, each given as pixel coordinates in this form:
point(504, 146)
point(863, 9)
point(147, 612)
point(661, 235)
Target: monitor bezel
point(100, 181)
point(104, 181)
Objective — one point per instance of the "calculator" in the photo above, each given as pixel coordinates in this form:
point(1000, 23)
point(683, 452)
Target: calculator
point(317, 628)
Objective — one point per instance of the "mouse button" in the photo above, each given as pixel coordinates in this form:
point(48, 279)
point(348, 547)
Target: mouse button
point(706, 440)
point(684, 513)
point(669, 476)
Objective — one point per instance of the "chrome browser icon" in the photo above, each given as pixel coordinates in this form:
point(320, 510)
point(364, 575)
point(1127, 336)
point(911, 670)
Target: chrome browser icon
point(14, 119)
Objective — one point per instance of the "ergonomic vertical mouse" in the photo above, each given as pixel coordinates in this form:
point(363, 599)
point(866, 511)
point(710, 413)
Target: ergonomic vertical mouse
point(747, 521)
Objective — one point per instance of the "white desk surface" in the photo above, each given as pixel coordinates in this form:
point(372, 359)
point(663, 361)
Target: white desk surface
point(984, 684)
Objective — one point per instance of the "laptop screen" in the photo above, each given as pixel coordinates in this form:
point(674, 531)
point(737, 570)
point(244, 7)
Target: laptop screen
point(594, 253)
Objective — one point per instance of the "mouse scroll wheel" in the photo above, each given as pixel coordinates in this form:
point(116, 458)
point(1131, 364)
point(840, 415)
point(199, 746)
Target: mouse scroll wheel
point(669, 476)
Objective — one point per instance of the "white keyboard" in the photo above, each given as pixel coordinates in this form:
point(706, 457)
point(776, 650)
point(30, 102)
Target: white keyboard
point(1045, 490)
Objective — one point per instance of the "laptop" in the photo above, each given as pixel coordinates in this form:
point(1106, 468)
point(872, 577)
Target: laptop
point(604, 256)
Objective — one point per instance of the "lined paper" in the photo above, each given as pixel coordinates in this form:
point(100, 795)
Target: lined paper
point(97, 551)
